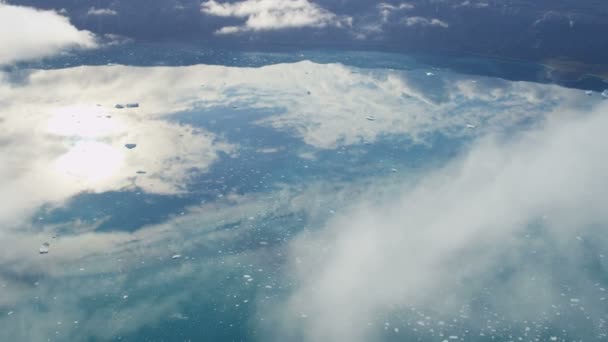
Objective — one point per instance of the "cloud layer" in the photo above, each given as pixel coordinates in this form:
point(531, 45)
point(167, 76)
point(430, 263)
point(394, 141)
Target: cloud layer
point(27, 33)
point(427, 243)
point(438, 246)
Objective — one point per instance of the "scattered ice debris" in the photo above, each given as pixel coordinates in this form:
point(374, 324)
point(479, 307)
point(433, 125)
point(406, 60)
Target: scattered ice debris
point(140, 172)
point(574, 300)
point(453, 337)
point(268, 286)
point(246, 276)
point(44, 249)
point(263, 243)
point(10, 313)
point(132, 105)
point(130, 146)
point(588, 93)
point(119, 106)
point(176, 256)
point(471, 126)
point(371, 118)
point(553, 338)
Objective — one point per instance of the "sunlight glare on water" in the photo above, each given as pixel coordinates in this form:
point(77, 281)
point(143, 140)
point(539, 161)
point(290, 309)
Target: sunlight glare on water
point(90, 161)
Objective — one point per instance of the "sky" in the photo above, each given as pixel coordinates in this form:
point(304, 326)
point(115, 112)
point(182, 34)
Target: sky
point(308, 201)
point(528, 30)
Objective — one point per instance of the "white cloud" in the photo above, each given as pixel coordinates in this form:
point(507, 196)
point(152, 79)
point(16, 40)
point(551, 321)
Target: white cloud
point(265, 15)
point(439, 245)
point(101, 11)
point(386, 9)
point(472, 4)
point(422, 21)
point(27, 33)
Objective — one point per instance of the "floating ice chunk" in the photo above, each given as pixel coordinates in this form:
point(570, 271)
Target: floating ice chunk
point(130, 146)
point(132, 105)
point(471, 126)
point(393, 170)
point(176, 256)
point(119, 106)
point(453, 337)
point(430, 73)
point(371, 118)
point(44, 249)
point(10, 313)
point(605, 93)
point(553, 338)
point(125, 296)
point(396, 330)
point(588, 93)
point(246, 276)
point(574, 300)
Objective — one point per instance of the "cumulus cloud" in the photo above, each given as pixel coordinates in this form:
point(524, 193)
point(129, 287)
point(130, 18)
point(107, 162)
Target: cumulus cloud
point(101, 11)
point(28, 33)
point(422, 21)
point(440, 248)
point(265, 15)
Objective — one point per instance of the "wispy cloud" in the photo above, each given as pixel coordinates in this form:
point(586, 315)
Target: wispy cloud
point(101, 12)
point(435, 249)
point(265, 15)
point(422, 21)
